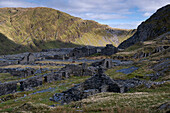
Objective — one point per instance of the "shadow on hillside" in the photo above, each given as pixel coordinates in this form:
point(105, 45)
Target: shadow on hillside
point(54, 44)
point(7, 46)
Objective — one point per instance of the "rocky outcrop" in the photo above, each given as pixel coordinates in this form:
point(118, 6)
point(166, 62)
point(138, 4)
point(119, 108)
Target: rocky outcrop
point(96, 84)
point(156, 25)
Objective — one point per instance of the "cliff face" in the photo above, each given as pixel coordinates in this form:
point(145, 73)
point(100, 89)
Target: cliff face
point(45, 28)
point(156, 25)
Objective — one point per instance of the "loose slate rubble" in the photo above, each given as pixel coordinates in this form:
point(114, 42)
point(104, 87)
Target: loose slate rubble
point(96, 84)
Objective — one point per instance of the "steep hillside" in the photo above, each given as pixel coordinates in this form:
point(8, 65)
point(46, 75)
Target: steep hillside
point(43, 28)
point(156, 25)
point(8, 46)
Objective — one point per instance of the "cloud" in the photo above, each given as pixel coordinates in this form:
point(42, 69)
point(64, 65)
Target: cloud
point(97, 9)
point(148, 5)
point(101, 16)
point(129, 25)
point(90, 6)
point(147, 14)
point(16, 3)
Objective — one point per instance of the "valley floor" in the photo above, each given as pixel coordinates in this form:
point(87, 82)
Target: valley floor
point(139, 99)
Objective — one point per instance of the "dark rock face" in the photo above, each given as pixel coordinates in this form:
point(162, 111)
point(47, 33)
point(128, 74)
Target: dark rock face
point(109, 50)
point(96, 84)
point(7, 88)
point(156, 25)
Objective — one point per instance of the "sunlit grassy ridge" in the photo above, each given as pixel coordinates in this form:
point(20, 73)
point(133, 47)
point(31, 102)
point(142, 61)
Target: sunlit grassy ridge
point(43, 28)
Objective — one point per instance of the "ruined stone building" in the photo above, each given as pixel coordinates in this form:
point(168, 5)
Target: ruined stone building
point(27, 59)
point(84, 51)
point(109, 50)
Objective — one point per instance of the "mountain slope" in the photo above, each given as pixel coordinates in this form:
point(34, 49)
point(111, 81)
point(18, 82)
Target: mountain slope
point(34, 28)
point(156, 25)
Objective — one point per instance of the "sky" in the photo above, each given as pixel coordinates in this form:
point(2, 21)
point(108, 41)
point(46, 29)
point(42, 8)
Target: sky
point(125, 14)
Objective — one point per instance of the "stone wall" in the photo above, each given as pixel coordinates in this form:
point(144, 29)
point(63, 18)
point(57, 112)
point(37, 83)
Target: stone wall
point(35, 81)
point(105, 63)
point(30, 83)
point(83, 51)
point(27, 59)
point(7, 88)
point(19, 72)
point(96, 84)
point(78, 70)
point(109, 50)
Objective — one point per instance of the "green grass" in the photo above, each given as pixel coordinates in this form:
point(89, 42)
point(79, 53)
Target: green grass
point(6, 77)
point(163, 88)
point(116, 75)
point(115, 102)
point(137, 100)
point(41, 97)
point(134, 47)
